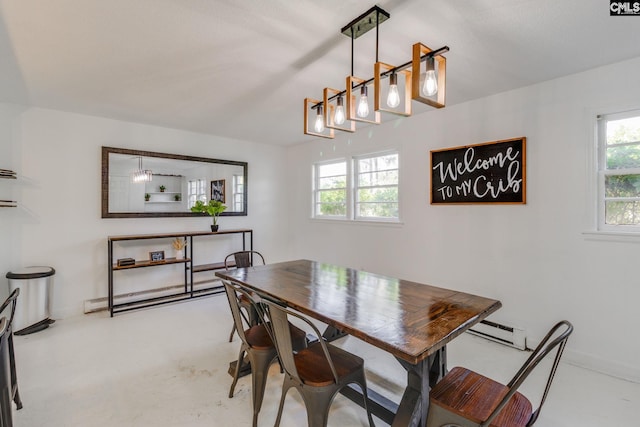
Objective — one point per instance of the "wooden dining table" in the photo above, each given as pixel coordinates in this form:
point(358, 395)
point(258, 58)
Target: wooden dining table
point(410, 320)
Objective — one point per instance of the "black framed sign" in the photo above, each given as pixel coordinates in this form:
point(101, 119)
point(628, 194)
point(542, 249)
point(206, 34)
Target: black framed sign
point(493, 172)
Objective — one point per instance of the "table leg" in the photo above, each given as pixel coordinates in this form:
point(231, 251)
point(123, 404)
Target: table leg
point(414, 405)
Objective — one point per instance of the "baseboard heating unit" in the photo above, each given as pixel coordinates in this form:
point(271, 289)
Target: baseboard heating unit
point(507, 335)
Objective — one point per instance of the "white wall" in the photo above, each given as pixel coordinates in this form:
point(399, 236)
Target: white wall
point(534, 257)
point(60, 224)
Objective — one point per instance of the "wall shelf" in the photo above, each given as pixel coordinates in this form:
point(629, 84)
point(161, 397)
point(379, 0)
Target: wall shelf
point(188, 290)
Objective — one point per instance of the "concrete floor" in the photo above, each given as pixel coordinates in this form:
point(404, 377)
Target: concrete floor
point(167, 366)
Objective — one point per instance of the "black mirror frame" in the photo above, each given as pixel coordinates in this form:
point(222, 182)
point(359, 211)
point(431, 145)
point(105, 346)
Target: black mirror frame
point(105, 183)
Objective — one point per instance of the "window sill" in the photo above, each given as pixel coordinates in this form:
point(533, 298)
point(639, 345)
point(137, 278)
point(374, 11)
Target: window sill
point(375, 223)
point(612, 236)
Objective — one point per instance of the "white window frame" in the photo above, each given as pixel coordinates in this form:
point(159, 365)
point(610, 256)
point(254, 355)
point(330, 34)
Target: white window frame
point(356, 187)
point(351, 163)
point(317, 191)
point(603, 172)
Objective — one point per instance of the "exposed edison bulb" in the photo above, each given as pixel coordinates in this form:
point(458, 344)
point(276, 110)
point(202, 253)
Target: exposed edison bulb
point(338, 116)
point(430, 85)
point(319, 125)
point(393, 97)
point(363, 104)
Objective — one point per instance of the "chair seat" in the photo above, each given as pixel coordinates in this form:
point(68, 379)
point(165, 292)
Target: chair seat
point(474, 396)
point(314, 370)
point(258, 337)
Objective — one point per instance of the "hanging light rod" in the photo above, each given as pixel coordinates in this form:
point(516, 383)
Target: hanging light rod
point(433, 53)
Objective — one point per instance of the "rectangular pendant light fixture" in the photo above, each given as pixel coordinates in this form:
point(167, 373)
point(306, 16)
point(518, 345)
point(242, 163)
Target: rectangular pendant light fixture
point(431, 90)
point(313, 117)
point(401, 94)
point(335, 115)
point(407, 82)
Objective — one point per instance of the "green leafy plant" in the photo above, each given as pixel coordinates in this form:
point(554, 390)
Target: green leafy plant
point(213, 208)
point(162, 188)
point(147, 196)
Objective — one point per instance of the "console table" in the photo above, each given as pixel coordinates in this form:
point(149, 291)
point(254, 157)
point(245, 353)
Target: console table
point(188, 291)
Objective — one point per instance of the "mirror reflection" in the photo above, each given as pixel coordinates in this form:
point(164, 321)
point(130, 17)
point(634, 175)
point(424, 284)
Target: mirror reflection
point(147, 184)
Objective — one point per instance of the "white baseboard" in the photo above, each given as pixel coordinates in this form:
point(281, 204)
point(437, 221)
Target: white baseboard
point(100, 304)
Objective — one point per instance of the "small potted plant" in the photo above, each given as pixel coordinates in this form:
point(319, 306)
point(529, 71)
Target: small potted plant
point(177, 197)
point(162, 188)
point(147, 196)
point(213, 208)
point(179, 245)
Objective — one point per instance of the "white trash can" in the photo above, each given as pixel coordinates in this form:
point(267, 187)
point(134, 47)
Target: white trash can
point(32, 308)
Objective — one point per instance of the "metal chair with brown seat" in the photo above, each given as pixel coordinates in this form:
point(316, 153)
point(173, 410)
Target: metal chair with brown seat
point(243, 259)
point(11, 302)
point(464, 398)
point(6, 414)
point(257, 344)
point(318, 372)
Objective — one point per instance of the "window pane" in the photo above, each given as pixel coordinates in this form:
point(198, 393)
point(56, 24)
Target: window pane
point(378, 178)
point(623, 130)
point(622, 186)
point(378, 195)
point(331, 209)
point(332, 169)
point(332, 182)
point(389, 161)
point(378, 210)
point(332, 196)
point(626, 156)
point(622, 213)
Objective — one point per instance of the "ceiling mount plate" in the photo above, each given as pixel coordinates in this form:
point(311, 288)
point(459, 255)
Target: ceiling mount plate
point(365, 22)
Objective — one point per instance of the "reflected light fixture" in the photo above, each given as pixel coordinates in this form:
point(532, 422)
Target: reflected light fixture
point(330, 111)
point(141, 175)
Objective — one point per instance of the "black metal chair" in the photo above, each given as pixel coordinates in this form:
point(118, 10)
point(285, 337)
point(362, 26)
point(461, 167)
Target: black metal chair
point(464, 398)
point(243, 259)
point(6, 415)
point(318, 372)
point(11, 302)
point(257, 344)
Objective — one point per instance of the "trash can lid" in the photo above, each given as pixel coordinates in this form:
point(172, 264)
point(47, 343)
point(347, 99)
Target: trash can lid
point(31, 273)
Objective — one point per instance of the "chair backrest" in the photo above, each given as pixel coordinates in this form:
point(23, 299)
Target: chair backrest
point(234, 293)
point(243, 259)
point(556, 339)
point(12, 299)
point(280, 330)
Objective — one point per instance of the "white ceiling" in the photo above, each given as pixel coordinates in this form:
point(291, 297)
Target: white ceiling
point(241, 68)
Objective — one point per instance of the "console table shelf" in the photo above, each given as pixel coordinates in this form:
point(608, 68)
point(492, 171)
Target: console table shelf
point(188, 291)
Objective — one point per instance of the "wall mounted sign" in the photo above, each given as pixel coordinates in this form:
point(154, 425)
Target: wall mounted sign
point(493, 172)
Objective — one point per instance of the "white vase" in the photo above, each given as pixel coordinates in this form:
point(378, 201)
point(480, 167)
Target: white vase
point(179, 254)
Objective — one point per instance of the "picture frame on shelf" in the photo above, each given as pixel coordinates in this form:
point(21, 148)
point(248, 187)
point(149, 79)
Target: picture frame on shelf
point(156, 256)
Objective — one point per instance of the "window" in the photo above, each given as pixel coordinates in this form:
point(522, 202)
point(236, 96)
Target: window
point(238, 193)
point(376, 186)
point(619, 171)
point(196, 190)
point(331, 190)
point(362, 188)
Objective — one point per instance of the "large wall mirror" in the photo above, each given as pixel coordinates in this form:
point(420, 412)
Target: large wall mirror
point(171, 185)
